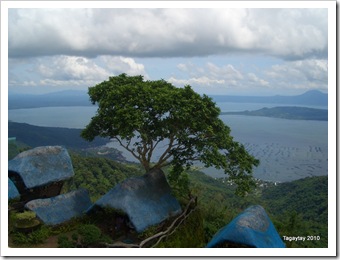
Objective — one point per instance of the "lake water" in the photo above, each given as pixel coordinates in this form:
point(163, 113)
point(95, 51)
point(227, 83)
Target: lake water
point(288, 149)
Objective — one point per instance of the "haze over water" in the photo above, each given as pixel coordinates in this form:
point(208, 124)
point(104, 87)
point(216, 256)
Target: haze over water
point(287, 149)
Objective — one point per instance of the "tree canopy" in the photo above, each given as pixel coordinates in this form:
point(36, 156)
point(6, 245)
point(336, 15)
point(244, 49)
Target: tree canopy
point(182, 126)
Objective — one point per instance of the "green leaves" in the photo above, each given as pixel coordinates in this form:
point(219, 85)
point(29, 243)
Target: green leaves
point(141, 114)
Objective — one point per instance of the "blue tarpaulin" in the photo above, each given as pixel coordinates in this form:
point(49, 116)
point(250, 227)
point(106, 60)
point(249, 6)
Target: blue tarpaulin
point(251, 228)
point(56, 210)
point(42, 165)
point(146, 200)
point(13, 192)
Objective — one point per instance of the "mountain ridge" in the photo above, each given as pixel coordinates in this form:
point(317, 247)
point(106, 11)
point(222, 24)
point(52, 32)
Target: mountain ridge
point(81, 98)
point(296, 113)
point(311, 97)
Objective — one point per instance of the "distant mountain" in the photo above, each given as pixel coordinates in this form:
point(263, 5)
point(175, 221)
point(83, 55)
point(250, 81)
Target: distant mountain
point(56, 99)
point(81, 98)
point(312, 97)
point(39, 136)
point(300, 113)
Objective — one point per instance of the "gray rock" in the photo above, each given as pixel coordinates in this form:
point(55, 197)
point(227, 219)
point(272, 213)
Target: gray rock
point(59, 209)
point(146, 200)
point(42, 165)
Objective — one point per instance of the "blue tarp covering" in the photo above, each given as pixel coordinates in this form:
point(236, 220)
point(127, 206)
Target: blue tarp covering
point(56, 210)
point(147, 200)
point(13, 192)
point(252, 228)
point(42, 165)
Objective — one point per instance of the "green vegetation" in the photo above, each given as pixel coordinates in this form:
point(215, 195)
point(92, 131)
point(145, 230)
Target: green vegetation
point(190, 234)
point(38, 236)
point(298, 208)
point(15, 147)
point(87, 235)
point(34, 136)
point(142, 115)
point(26, 219)
point(299, 113)
point(98, 175)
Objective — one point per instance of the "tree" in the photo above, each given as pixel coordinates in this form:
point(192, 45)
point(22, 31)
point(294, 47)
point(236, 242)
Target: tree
point(183, 126)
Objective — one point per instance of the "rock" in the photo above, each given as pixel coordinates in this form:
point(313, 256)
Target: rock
point(252, 228)
point(146, 200)
point(59, 209)
point(41, 166)
point(13, 192)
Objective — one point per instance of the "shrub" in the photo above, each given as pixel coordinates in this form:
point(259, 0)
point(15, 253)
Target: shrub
point(35, 237)
point(64, 242)
point(26, 219)
point(87, 235)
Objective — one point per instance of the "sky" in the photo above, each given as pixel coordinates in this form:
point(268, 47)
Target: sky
point(224, 51)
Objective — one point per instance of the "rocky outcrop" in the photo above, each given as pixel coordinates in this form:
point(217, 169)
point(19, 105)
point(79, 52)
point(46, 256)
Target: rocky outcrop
point(59, 209)
point(252, 228)
point(146, 200)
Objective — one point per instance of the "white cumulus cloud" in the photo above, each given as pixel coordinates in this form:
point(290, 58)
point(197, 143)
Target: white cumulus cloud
point(303, 74)
point(118, 65)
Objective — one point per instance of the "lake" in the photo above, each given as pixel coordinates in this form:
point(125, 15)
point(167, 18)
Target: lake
point(288, 149)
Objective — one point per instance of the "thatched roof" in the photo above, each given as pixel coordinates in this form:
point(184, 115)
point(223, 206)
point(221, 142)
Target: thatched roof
point(13, 192)
point(42, 165)
point(146, 200)
point(56, 210)
point(252, 228)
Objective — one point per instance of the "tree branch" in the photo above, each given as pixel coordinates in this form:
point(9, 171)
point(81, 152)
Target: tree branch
point(127, 148)
point(161, 158)
point(170, 230)
point(153, 147)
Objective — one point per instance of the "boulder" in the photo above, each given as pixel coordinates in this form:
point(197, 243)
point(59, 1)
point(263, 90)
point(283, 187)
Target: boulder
point(252, 228)
point(146, 200)
point(13, 192)
point(59, 209)
point(41, 166)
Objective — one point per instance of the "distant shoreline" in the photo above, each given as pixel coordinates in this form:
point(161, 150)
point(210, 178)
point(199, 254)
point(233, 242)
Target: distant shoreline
point(81, 98)
point(293, 113)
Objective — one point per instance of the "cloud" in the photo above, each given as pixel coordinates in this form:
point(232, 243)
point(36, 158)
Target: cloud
point(71, 68)
point(253, 79)
point(196, 81)
point(286, 76)
point(208, 75)
point(306, 74)
point(70, 71)
point(227, 71)
point(118, 65)
point(286, 33)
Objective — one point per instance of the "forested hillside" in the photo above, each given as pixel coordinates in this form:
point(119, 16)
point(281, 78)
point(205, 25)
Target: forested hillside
point(296, 208)
point(38, 136)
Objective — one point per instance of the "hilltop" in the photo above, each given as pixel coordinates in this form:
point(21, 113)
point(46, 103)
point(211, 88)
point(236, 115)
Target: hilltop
point(33, 136)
